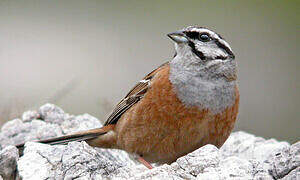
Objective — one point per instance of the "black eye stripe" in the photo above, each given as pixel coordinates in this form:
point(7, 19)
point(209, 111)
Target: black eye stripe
point(197, 35)
point(192, 34)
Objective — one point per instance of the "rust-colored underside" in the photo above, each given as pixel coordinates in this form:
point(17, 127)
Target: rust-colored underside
point(160, 128)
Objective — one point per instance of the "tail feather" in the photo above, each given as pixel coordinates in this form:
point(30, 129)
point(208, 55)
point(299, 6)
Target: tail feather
point(80, 136)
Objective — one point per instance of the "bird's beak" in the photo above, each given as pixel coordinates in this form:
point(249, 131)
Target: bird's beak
point(178, 37)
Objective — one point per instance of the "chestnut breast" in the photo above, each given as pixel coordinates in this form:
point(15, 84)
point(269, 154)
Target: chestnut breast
point(161, 128)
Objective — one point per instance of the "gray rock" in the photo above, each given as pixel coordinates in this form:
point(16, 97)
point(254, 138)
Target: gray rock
point(53, 122)
point(125, 172)
point(294, 156)
point(52, 113)
point(243, 156)
point(293, 175)
point(166, 172)
point(234, 168)
point(195, 162)
point(260, 172)
point(72, 124)
point(17, 131)
point(285, 161)
point(8, 162)
point(30, 115)
point(248, 146)
point(76, 160)
point(120, 156)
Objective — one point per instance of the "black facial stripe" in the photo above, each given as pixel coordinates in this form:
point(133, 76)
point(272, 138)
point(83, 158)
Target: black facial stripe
point(175, 54)
point(195, 51)
point(195, 35)
point(192, 34)
point(221, 57)
point(223, 46)
point(220, 36)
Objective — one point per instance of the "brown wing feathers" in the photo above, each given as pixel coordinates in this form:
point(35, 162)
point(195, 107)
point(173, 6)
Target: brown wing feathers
point(133, 96)
point(120, 109)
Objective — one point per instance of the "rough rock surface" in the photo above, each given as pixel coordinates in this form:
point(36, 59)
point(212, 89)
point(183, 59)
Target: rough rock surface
point(243, 156)
point(8, 161)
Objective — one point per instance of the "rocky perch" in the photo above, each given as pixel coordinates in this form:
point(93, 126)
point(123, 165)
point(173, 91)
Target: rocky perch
point(243, 156)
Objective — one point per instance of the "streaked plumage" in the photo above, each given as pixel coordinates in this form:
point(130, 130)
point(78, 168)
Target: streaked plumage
point(185, 103)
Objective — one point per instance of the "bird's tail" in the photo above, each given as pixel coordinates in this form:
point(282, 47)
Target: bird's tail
point(80, 136)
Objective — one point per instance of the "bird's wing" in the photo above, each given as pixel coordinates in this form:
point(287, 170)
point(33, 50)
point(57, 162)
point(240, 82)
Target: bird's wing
point(132, 97)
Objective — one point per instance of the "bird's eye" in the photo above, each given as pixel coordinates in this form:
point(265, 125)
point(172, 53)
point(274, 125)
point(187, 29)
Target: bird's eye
point(204, 37)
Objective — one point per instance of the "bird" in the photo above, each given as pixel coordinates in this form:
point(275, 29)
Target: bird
point(189, 101)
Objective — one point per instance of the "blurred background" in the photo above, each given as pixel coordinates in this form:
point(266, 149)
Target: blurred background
point(85, 55)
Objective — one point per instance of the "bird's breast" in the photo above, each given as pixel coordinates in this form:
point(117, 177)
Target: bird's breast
point(162, 128)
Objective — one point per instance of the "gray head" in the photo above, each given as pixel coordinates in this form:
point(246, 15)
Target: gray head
point(205, 50)
point(203, 71)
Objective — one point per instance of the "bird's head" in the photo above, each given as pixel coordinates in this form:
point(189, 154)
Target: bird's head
point(205, 49)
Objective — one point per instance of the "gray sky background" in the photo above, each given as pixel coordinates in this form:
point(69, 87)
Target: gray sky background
point(105, 47)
